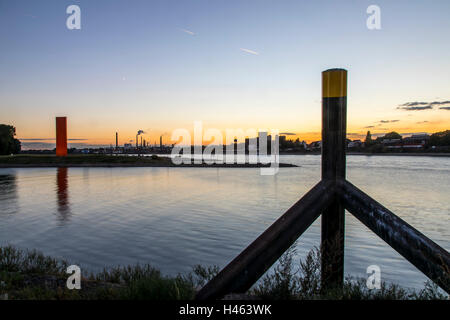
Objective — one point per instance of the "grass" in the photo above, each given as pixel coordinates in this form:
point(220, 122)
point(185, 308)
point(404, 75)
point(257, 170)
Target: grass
point(286, 283)
point(30, 275)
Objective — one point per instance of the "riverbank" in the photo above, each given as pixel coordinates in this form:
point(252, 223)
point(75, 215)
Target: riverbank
point(46, 161)
point(349, 153)
point(30, 275)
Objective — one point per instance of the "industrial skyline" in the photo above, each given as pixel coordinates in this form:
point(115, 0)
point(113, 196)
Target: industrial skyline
point(160, 66)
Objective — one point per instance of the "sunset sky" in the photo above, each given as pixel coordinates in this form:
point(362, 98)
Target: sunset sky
point(161, 65)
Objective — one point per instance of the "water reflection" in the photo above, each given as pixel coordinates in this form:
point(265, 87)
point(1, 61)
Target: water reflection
point(62, 192)
point(174, 218)
point(8, 194)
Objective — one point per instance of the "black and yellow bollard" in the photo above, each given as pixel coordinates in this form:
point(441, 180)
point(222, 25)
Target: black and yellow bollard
point(334, 115)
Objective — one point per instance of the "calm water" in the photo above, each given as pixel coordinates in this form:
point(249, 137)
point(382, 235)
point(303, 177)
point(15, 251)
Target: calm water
point(174, 218)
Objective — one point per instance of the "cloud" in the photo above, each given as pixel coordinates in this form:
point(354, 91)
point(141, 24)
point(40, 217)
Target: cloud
point(47, 139)
point(188, 32)
point(287, 133)
point(411, 104)
point(50, 146)
point(355, 134)
point(439, 102)
point(388, 121)
point(249, 51)
point(421, 122)
point(416, 105)
point(416, 108)
point(368, 127)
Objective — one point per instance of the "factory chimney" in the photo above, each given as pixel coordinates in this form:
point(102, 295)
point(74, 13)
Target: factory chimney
point(160, 142)
point(117, 141)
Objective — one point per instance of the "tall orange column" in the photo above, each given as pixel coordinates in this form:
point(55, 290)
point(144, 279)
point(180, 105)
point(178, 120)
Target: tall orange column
point(61, 136)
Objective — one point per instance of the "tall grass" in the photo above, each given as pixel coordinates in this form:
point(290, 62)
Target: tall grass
point(31, 275)
point(303, 283)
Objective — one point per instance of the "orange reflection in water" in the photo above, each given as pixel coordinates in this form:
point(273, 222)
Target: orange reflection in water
point(62, 192)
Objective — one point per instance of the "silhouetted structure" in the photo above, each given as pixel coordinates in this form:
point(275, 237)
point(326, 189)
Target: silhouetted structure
point(61, 136)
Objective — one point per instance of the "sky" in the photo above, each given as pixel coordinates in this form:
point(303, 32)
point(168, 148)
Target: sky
point(161, 65)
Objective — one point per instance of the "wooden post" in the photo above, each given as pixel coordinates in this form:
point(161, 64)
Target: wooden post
point(424, 254)
point(334, 114)
point(241, 273)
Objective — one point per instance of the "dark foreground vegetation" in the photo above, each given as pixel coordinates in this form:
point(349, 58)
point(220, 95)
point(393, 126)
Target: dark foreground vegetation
point(30, 275)
point(92, 160)
point(8, 143)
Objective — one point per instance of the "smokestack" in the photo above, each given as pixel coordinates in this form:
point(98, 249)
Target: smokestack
point(137, 141)
point(117, 140)
point(160, 142)
point(141, 141)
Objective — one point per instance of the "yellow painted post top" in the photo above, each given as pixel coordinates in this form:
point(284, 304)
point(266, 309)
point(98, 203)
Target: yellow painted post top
point(334, 83)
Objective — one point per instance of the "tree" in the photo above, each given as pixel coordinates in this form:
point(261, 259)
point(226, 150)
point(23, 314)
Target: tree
point(368, 140)
point(440, 138)
point(392, 135)
point(8, 144)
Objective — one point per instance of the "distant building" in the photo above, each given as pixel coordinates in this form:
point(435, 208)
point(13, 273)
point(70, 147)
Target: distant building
point(417, 141)
point(315, 145)
point(355, 144)
point(392, 143)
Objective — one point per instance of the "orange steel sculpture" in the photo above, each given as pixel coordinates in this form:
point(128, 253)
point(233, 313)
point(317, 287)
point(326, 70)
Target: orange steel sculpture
point(61, 136)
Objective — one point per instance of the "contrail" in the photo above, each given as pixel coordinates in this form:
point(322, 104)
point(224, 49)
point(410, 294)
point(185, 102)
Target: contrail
point(250, 51)
point(188, 32)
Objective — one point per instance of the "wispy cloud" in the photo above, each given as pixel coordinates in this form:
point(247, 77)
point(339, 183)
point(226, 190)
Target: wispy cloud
point(188, 32)
point(287, 133)
point(368, 127)
point(421, 122)
point(48, 139)
point(50, 146)
point(416, 108)
point(439, 102)
point(412, 104)
point(249, 51)
point(416, 105)
point(388, 121)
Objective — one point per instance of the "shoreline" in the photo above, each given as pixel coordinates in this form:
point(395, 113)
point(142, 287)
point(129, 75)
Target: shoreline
point(411, 154)
point(105, 161)
point(142, 165)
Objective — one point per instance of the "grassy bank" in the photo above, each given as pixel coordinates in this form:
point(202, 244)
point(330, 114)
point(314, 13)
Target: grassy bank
point(30, 161)
point(31, 275)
